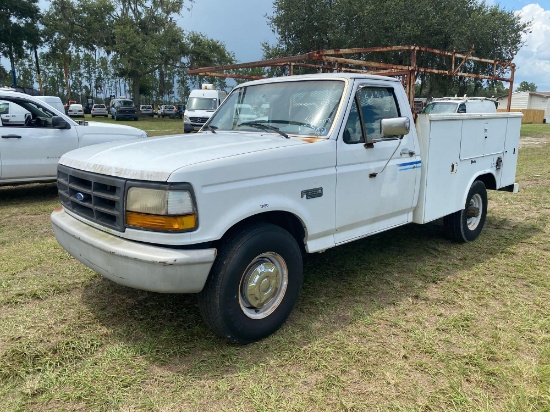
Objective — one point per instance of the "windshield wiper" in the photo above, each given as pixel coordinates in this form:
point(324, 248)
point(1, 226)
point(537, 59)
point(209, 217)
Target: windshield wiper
point(211, 128)
point(264, 127)
point(317, 130)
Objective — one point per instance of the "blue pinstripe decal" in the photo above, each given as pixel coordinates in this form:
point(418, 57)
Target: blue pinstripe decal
point(409, 165)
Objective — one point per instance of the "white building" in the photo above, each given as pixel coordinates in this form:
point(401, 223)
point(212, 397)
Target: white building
point(528, 100)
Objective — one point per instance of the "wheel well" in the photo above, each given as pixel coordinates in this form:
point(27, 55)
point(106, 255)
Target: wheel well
point(488, 180)
point(286, 220)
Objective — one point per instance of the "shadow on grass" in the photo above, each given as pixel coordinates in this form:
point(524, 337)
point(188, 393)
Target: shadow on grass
point(369, 274)
point(27, 194)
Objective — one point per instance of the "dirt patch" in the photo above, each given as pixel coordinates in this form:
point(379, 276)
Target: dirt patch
point(529, 141)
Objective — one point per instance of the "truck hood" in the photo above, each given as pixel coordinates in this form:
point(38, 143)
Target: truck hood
point(117, 128)
point(156, 159)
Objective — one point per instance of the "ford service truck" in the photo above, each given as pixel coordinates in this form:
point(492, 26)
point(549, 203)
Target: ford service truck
point(229, 212)
point(201, 104)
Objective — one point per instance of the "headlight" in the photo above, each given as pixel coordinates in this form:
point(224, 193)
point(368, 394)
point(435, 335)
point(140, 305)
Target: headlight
point(160, 209)
point(186, 119)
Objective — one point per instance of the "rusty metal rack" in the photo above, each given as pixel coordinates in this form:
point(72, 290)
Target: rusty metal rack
point(328, 61)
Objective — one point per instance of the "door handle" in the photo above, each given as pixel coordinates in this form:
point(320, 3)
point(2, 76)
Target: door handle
point(11, 136)
point(406, 151)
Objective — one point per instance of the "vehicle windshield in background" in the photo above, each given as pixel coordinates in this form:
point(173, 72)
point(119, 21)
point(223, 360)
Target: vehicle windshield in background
point(202, 103)
point(125, 103)
point(440, 107)
point(305, 107)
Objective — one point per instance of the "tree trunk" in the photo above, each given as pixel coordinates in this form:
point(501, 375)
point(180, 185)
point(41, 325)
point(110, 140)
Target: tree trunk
point(66, 71)
point(12, 62)
point(135, 90)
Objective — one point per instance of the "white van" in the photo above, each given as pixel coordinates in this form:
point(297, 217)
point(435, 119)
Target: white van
point(461, 105)
point(201, 104)
point(12, 113)
point(53, 101)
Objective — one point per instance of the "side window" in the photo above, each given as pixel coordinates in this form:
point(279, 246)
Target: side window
point(376, 103)
point(353, 132)
point(20, 113)
point(461, 108)
point(370, 106)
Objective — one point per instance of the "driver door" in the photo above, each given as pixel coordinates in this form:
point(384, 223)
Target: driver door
point(377, 177)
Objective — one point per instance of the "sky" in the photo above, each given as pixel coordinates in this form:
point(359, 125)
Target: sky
point(242, 26)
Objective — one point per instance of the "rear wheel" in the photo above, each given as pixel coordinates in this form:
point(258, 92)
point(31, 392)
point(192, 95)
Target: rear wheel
point(254, 283)
point(466, 225)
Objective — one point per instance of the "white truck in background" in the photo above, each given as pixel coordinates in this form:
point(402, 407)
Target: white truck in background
point(201, 104)
point(31, 146)
point(13, 114)
point(229, 212)
point(464, 104)
point(53, 101)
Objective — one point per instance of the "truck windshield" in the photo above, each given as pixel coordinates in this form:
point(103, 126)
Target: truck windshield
point(202, 103)
point(441, 107)
point(305, 107)
point(125, 103)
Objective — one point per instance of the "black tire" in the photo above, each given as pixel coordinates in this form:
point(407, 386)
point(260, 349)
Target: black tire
point(116, 117)
point(466, 224)
point(259, 254)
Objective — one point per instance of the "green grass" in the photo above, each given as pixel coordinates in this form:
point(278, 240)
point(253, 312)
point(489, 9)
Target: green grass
point(535, 130)
point(152, 125)
point(401, 321)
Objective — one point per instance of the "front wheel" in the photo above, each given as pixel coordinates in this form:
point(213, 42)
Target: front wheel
point(466, 225)
point(254, 283)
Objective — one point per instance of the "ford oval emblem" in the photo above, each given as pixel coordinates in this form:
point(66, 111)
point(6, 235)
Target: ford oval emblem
point(79, 196)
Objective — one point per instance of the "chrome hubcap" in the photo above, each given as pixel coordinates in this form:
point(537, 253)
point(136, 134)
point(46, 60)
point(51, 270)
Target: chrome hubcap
point(263, 285)
point(474, 212)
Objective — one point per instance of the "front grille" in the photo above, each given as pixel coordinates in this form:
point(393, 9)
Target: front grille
point(93, 196)
point(198, 119)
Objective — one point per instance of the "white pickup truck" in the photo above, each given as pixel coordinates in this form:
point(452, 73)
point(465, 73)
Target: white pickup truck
point(30, 148)
point(229, 212)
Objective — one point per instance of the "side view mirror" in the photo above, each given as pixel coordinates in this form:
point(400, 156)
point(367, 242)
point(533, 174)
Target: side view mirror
point(59, 123)
point(397, 126)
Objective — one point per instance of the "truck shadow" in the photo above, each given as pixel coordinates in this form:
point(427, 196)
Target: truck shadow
point(28, 194)
point(368, 274)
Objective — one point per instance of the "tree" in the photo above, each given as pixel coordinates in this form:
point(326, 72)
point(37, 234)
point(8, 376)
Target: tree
point(302, 26)
point(63, 30)
point(4, 76)
point(205, 52)
point(526, 87)
point(135, 43)
point(18, 29)
point(25, 69)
